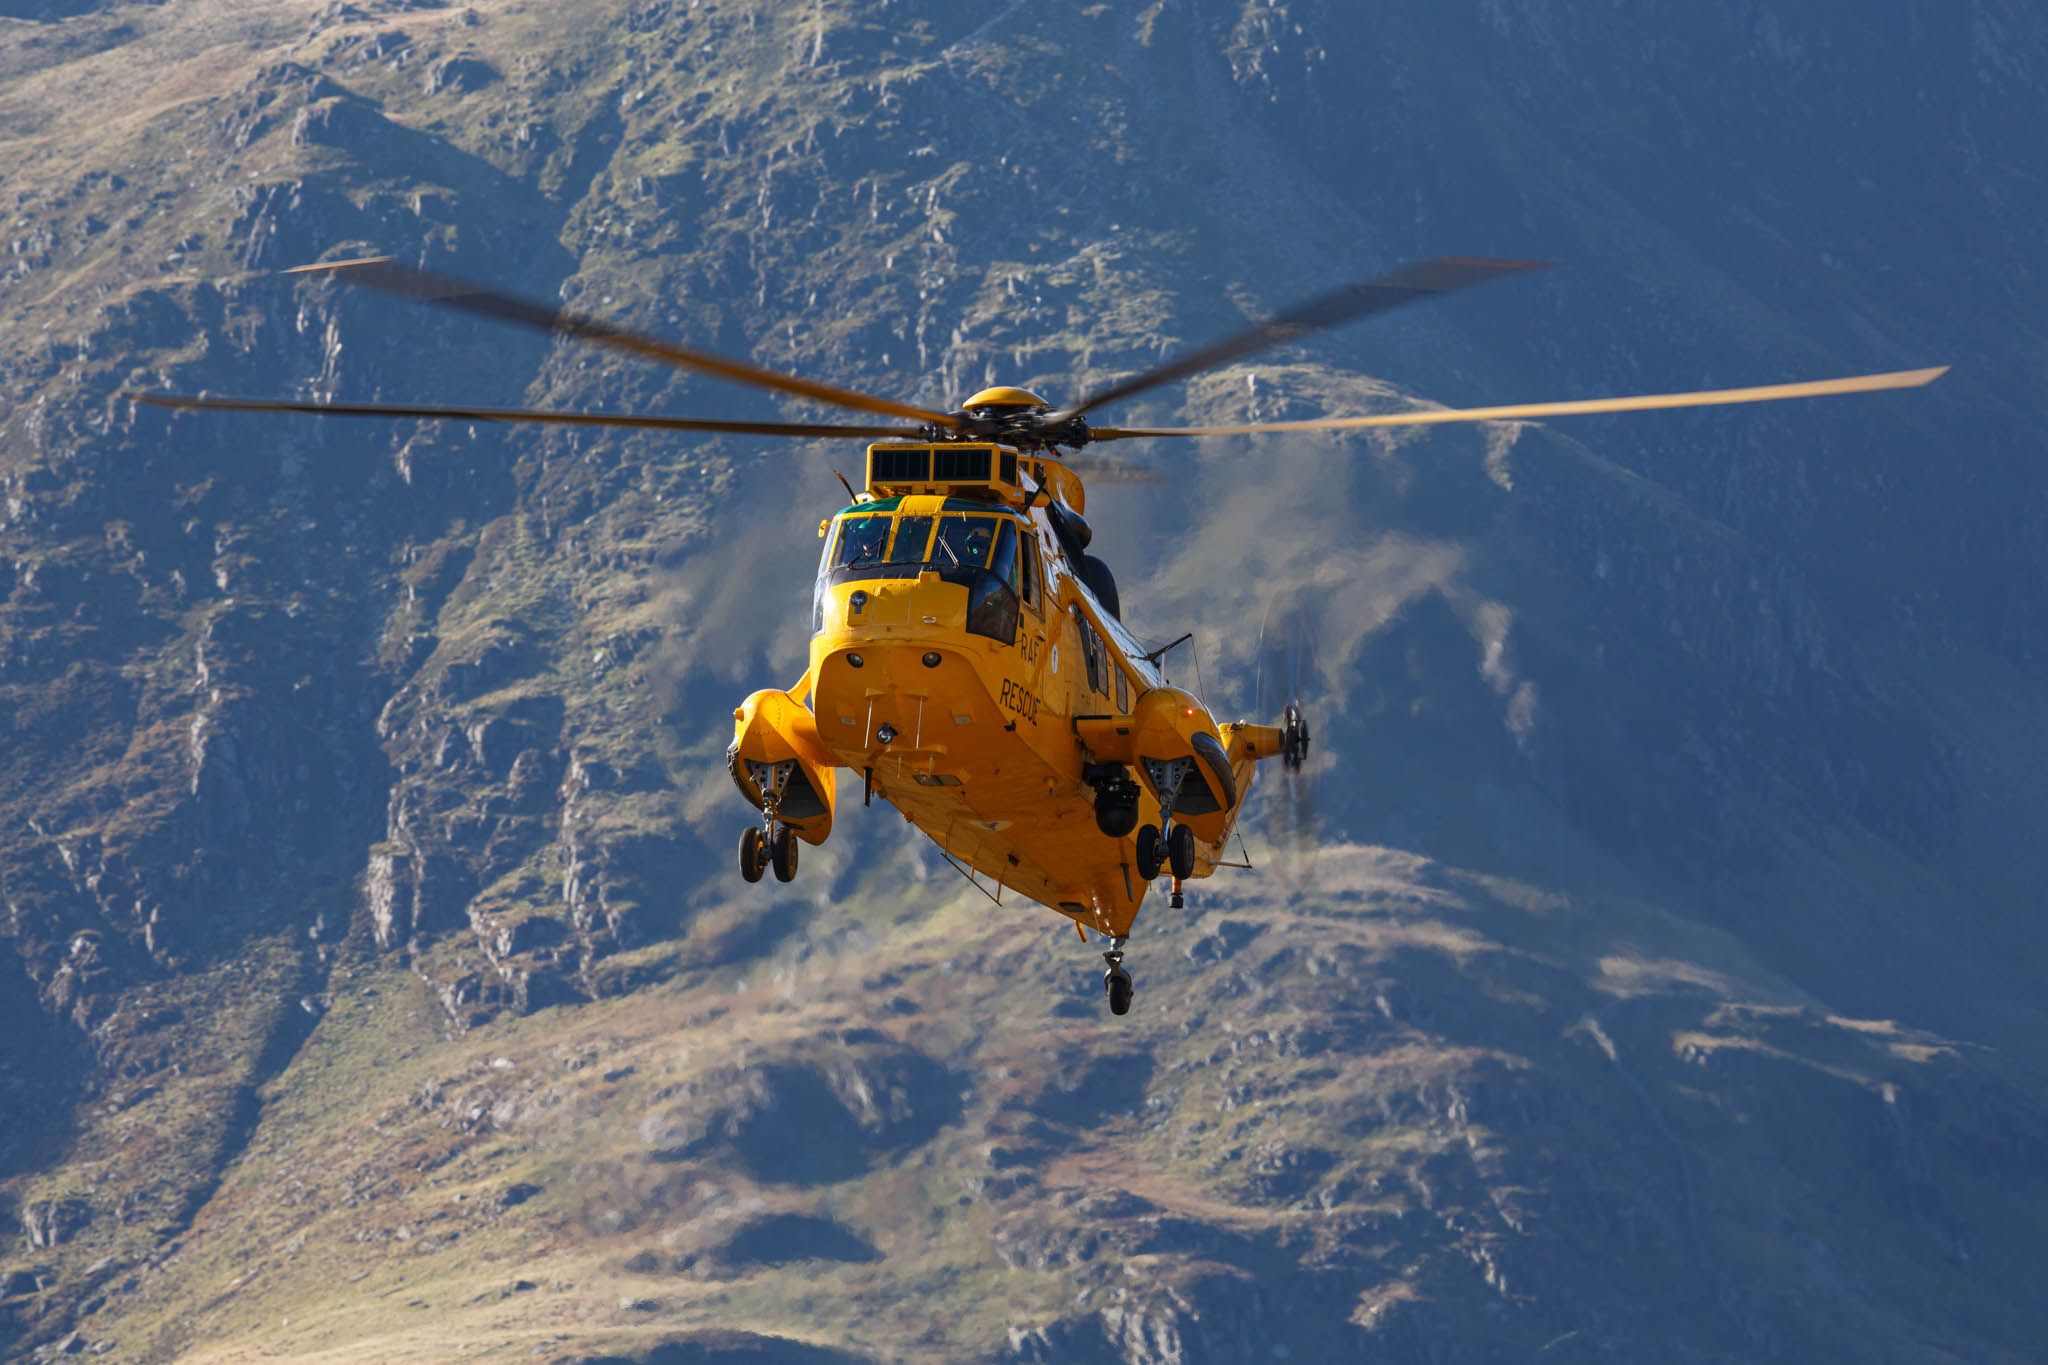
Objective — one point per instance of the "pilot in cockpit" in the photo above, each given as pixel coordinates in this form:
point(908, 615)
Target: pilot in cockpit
point(861, 540)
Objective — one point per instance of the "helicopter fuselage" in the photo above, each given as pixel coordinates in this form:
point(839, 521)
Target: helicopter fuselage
point(965, 672)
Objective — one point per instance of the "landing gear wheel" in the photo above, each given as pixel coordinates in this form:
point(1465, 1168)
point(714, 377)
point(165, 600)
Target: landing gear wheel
point(1117, 982)
point(753, 853)
point(1180, 851)
point(782, 852)
point(1148, 853)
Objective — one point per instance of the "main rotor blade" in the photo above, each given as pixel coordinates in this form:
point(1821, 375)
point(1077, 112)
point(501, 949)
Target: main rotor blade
point(1097, 472)
point(574, 419)
point(395, 277)
point(1706, 398)
point(1416, 280)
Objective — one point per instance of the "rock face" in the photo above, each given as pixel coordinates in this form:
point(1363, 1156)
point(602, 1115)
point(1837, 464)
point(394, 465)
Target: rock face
point(52, 1222)
point(1661, 977)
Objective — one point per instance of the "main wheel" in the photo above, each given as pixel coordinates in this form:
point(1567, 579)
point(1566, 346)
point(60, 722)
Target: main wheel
point(753, 853)
point(1117, 982)
point(1148, 853)
point(1180, 851)
point(782, 853)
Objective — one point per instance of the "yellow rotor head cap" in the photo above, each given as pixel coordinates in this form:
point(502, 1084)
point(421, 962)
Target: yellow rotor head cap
point(1005, 398)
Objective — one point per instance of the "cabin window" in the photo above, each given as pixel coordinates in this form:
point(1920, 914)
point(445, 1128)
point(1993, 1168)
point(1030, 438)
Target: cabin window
point(1091, 653)
point(862, 540)
point(1030, 558)
point(1123, 692)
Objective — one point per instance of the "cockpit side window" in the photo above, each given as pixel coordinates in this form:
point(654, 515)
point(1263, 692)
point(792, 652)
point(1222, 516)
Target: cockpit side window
point(1005, 560)
point(861, 541)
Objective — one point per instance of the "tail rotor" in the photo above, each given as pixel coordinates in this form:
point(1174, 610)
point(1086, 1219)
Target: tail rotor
point(1294, 738)
point(1288, 676)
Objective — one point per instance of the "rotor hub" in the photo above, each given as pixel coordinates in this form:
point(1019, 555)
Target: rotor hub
point(1022, 428)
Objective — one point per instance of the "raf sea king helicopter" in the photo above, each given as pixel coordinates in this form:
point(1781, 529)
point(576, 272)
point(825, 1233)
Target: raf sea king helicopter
point(968, 661)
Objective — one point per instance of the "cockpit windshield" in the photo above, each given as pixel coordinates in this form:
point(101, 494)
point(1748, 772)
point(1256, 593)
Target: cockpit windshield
point(964, 541)
point(972, 547)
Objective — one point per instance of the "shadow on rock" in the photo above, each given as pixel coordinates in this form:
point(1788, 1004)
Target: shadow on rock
point(1095, 1089)
point(727, 1348)
point(808, 1121)
point(785, 1237)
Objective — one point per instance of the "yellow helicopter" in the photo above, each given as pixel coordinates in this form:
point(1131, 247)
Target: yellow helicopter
point(968, 659)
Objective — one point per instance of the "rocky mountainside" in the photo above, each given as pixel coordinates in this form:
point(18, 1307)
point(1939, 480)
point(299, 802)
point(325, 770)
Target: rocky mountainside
point(374, 981)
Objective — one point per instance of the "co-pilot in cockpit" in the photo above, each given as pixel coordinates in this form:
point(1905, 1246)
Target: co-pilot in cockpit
point(965, 543)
